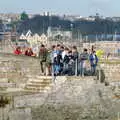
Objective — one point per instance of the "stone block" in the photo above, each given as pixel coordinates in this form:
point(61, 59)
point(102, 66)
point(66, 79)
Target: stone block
point(20, 114)
point(4, 80)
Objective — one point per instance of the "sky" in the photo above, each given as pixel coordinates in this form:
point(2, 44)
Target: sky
point(74, 7)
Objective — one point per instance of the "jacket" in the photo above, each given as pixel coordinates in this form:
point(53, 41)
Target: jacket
point(43, 54)
point(93, 60)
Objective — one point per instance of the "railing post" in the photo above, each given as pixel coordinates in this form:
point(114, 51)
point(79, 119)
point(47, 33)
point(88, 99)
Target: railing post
point(53, 77)
point(76, 67)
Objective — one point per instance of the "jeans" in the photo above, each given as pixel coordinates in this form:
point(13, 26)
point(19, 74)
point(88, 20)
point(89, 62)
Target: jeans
point(82, 68)
point(65, 69)
point(93, 69)
point(43, 67)
point(56, 69)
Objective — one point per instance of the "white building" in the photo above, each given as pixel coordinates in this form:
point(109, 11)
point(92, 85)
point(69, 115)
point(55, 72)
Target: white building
point(34, 39)
point(22, 36)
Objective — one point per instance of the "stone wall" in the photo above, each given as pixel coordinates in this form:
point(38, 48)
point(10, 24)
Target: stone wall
point(18, 68)
point(111, 71)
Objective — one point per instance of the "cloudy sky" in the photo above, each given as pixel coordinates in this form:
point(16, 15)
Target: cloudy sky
point(78, 7)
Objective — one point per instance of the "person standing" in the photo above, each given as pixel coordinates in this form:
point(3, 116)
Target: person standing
point(75, 58)
point(84, 57)
point(43, 58)
point(65, 61)
point(49, 62)
point(71, 63)
point(57, 60)
point(93, 62)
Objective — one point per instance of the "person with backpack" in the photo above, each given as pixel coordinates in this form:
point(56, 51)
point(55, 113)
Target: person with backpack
point(43, 58)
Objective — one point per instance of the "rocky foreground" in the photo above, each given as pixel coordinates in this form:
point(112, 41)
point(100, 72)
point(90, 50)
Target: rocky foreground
point(70, 100)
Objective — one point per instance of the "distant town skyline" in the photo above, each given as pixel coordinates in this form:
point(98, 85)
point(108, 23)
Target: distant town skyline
point(71, 7)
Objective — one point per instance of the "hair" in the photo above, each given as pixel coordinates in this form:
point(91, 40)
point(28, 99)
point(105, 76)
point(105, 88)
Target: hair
point(70, 51)
point(74, 47)
point(85, 50)
point(42, 45)
point(18, 48)
point(58, 45)
point(66, 48)
point(53, 46)
point(62, 47)
point(93, 51)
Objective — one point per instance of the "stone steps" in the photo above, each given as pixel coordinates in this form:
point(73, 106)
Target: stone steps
point(39, 77)
point(36, 89)
point(63, 91)
point(39, 83)
point(39, 80)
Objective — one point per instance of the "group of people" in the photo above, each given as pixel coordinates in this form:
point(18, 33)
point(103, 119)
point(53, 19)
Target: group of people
point(62, 60)
point(27, 51)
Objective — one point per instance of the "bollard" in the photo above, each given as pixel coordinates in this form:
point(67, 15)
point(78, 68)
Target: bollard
point(99, 77)
point(53, 77)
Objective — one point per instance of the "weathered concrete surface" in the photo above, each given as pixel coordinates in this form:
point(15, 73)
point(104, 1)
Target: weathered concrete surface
point(75, 99)
point(20, 114)
point(72, 103)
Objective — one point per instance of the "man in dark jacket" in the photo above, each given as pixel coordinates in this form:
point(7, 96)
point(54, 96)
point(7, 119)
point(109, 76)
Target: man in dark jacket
point(75, 58)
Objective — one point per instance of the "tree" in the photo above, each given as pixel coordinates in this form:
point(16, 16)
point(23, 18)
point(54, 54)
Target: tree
point(24, 16)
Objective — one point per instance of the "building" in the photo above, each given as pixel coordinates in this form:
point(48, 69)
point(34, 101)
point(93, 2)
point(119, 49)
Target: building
point(34, 39)
point(53, 33)
point(1, 31)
